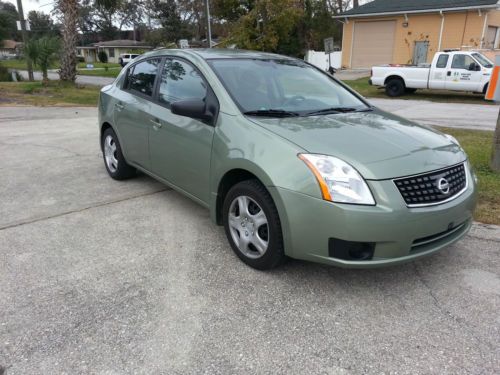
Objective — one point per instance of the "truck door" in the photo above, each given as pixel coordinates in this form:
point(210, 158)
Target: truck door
point(437, 77)
point(464, 75)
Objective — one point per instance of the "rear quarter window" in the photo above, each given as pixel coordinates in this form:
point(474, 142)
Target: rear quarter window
point(442, 61)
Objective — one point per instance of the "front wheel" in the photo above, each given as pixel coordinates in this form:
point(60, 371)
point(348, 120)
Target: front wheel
point(395, 87)
point(252, 225)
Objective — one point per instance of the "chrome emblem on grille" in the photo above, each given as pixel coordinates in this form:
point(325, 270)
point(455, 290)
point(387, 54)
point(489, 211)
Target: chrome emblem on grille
point(443, 186)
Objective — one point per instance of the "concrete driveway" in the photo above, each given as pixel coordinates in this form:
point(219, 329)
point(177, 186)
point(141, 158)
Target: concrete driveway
point(106, 277)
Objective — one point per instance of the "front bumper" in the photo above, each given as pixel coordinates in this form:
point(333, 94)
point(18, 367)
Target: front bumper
point(400, 234)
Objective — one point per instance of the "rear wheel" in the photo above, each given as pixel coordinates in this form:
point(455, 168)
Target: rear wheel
point(114, 161)
point(252, 225)
point(395, 87)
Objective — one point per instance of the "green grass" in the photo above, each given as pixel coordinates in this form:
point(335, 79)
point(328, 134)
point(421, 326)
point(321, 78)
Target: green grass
point(98, 65)
point(478, 145)
point(443, 96)
point(112, 72)
point(55, 93)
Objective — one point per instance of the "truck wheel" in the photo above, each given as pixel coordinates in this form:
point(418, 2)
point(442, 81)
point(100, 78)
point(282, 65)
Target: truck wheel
point(410, 91)
point(395, 87)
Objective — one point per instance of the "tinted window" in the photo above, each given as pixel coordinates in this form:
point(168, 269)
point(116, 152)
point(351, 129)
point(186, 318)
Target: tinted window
point(142, 77)
point(442, 61)
point(461, 61)
point(179, 81)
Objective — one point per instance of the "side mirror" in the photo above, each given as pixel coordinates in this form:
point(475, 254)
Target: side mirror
point(195, 108)
point(474, 67)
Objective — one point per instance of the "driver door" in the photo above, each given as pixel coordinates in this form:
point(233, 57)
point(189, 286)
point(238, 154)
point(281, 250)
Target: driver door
point(180, 147)
point(459, 77)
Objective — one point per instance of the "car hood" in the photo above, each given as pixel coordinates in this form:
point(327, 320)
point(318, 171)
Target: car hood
point(378, 144)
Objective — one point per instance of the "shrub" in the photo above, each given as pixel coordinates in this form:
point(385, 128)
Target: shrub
point(103, 57)
point(5, 76)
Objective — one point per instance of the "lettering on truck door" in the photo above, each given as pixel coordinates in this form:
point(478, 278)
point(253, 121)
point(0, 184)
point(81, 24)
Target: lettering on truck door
point(461, 75)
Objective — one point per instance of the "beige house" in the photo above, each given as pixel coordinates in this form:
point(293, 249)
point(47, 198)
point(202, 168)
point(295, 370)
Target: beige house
point(113, 48)
point(412, 31)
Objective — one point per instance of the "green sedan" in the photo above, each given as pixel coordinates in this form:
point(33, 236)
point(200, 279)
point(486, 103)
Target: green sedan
point(288, 159)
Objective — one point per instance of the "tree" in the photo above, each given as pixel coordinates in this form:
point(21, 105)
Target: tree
point(168, 15)
point(42, 51)
point(8, 18)
point(69, 11)
point(41, 24)
point(272, 25)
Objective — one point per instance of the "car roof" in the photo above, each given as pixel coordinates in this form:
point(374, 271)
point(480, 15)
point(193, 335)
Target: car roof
point(225, 53)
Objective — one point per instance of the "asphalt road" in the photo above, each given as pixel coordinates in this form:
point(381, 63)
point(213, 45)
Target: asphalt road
point(106, 277)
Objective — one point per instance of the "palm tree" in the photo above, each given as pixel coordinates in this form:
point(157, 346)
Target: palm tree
point(69, 10)
point(42, 52)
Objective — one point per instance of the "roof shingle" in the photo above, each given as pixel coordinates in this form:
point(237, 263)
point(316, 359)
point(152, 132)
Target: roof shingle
point(401, 6)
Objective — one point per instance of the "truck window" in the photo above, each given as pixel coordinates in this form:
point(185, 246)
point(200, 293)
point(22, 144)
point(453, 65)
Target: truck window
point(461, 62)
point(442, 61)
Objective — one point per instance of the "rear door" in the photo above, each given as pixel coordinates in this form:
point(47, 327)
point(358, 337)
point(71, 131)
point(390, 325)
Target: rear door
point(180, 147)
point(132, 111)
point(438, 75)
point(459, 77)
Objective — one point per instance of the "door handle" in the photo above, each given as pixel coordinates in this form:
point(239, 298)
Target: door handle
point(119, 106)
point(448, 74)
point(156, 123)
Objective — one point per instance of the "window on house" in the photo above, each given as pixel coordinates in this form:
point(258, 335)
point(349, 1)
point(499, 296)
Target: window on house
point(442, 61)
point(142, 76)
point(111, 52)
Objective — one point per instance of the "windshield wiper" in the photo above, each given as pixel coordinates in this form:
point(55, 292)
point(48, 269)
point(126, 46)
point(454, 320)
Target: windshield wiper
point(337, 110)
point(271, 113)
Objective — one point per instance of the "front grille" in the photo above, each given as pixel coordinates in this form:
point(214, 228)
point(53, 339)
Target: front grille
point(433, 187)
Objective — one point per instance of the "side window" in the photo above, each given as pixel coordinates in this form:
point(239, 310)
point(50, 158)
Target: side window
point(180, 81)
point(442, 61)
point(461, 62)
point(111, 52)
point(142, 77)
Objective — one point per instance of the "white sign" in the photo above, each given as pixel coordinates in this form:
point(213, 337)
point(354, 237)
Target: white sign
point(329, 48)
point(26, 24)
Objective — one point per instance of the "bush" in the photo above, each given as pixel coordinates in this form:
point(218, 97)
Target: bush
point(103, 57)
point(5, 76)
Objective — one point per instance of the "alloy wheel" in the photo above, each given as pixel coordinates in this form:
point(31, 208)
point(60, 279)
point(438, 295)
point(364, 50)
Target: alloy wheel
point(248, 226)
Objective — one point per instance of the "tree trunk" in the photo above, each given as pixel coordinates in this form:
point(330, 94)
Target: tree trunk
point(69, 9)
point(495, 154)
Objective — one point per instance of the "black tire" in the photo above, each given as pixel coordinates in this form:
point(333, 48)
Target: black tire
point(395, 87)
point(275, 254)
point(122, 170)
point(410, 91)
point(120, 61)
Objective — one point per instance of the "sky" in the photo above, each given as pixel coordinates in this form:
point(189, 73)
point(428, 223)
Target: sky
point(45, 6)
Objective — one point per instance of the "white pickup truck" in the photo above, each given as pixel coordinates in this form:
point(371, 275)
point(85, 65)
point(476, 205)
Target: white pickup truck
point(450, 70)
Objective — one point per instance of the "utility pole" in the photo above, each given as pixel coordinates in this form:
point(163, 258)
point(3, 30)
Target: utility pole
point(24, 34)
point(209, 30)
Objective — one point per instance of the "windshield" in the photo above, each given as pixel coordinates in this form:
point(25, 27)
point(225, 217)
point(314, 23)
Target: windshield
point(282, 87)
point(483, 60)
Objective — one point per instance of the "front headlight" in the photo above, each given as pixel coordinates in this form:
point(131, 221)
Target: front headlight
point(338, 181)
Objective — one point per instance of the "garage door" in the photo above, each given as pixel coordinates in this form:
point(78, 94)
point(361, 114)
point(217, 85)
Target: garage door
point(373, 43)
